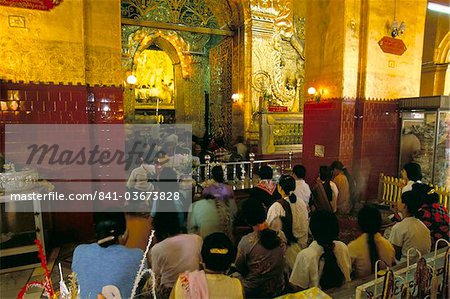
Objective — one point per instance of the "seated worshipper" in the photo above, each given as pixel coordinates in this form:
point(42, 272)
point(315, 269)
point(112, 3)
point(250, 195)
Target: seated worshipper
point(174, 253)
point(266, 189)
point(411, 173)
point(325, 191)
point(218, 189)
point(326, 262)
point(235, 156)
point(161, 161)
point(218, 253)
point(302, 190)
point(410, 232)
point(434, 215)
point(290, 215)
point(211, 215)
point(370, 246)
point(344, 204)
point(260, 255)
point(241, 147)
point(140, 176)
point(221, 154)
point(106, 262)
point(169, 197)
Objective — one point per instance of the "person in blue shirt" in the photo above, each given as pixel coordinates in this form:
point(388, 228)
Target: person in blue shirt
point(106, 262)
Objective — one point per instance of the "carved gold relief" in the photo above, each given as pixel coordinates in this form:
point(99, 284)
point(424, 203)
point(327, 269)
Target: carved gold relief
point(277, 55)
point(220, 98)
point(35, 60)
point(103, 66)
point(187, 12)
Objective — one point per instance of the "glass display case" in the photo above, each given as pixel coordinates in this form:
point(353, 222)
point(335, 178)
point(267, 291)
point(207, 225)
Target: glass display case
point(21, 221)
point(425, 137)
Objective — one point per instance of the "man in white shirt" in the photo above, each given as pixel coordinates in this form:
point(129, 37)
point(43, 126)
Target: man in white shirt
point(139, 177)
point(410, 232)
point(302, 190)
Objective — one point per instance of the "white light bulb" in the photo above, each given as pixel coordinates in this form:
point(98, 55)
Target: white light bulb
point(131, 79)
point(311, 90)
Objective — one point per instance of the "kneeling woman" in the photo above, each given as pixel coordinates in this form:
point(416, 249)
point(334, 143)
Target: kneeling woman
point(260, 257)
point(106, 262)
point(217, 253)
point(326, 262)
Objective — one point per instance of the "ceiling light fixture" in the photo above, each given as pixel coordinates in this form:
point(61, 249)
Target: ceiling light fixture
point(439, 8)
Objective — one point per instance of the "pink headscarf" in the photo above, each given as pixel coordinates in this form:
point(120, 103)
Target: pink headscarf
point(194, 285)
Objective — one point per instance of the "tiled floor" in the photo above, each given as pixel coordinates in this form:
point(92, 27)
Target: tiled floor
point(11, 283)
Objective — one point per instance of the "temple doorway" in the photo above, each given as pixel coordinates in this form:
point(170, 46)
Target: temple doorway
point(180, 59)
point(154, 93)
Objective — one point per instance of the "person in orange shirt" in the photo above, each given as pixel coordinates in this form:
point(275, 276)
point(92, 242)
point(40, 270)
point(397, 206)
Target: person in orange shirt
point(344, 204)
point(370, 246)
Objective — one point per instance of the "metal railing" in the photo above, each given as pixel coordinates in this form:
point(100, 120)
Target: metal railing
point(390, 191)
point(242, 170)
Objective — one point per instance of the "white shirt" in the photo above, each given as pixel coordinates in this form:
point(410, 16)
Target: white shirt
point(175, 255)
point(308, 265)
point(411, 233)
point(139, 177)
point(302, 191)
point(408, 186)
point(300, 223)
point(335, 191)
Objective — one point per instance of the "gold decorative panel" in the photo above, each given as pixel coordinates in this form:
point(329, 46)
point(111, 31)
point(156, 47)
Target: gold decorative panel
point(221, 92)
point(34, 60)
point(187, 12)
point(69, 45)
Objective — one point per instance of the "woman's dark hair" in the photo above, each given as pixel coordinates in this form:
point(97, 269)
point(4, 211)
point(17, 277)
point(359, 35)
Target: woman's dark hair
point(109, 224)
point(166, 224)
point(412, 201)
point(425, 193)
point(254, 214)
point(299, 171)
point(265, 172)
point(413, 171)
point(220, 142)
point(337, 165)
point(218, 252)
point(325, 176)
point(369, 220)
point(325, 229)
point(217, 174)
point(287, 183)
point(351, 181)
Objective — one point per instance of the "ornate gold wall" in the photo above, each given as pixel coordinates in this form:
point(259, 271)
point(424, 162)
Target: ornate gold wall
point(343, 55)
point(436, 55)
point(274, 60)
point(69, 44)
point(387, 75)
